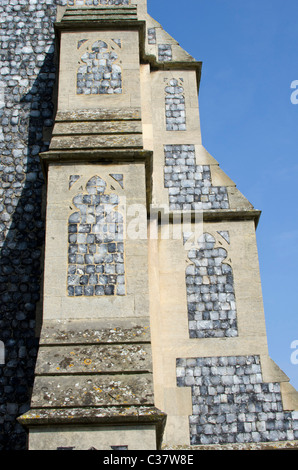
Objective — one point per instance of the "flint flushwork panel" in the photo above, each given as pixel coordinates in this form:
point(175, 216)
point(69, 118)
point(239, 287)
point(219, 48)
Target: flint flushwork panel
point(211, 302)
point(175, 106)
point(99, 74)
point(95, 243)
point(165, 52)
point(232, 404)
point(190, 185)
point(151, 35)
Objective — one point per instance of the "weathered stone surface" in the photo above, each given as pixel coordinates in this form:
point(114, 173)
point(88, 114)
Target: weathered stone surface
point(94, 359)
point(105, 331)
point(285, 445)
point(92, 142)
point(108, 415)
point(102, 12)
point(92, 390)
point(97, 2)
point(115, 127)
point(112, 415)
point(102, 114)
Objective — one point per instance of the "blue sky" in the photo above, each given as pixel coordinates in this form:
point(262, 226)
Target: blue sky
point(249, 52)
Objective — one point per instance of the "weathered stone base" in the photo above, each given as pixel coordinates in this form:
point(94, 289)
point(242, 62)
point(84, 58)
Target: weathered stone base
point(287, 445)
point(92, 438)
point(99, 429)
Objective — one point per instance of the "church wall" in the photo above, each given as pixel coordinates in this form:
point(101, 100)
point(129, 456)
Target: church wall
point(27, 81)
point(211, 371)
point(216, 383)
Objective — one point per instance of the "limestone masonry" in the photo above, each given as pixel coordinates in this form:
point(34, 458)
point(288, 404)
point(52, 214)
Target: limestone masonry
point(131, 313)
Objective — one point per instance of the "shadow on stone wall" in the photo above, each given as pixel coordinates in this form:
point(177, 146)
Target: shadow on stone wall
point(21, 255)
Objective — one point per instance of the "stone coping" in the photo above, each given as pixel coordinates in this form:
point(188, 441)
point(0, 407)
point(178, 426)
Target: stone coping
point(122, 416)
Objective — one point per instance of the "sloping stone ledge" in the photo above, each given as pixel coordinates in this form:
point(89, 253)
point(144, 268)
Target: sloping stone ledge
point(287, 445)
point(122, 416)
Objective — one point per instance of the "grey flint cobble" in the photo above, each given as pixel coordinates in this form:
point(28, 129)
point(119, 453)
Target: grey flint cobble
point(151, 35)
point(190, 186)
point(99, 74)
point(232, 404)
point(95, 243)
point(175, 106)
point(165, 52)
point(211, 299)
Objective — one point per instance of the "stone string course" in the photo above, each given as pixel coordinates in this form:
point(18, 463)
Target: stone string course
point(211, 299)
point(232, 404)
point(97, 2)
point(27, 75)
point(190, 186)
point(96, 247)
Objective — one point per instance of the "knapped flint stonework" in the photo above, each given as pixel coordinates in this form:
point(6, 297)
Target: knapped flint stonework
point(190, 185)
point(211, 299)
point(175, 106)
point(27, 77)
point(151, 35)
point(232, 403)
point(95, 243)
point(99, 73)
point(165, 53)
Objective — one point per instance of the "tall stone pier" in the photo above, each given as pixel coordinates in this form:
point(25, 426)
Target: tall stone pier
point(152, 330)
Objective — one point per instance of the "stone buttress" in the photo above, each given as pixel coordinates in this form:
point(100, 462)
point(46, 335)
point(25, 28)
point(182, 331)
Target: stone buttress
point(93, 380)
point(153, 324)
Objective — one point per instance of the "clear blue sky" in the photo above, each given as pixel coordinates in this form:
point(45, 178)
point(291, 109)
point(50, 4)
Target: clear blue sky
point(249, 51)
